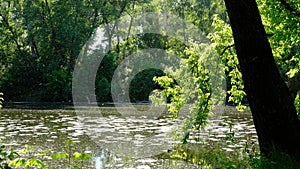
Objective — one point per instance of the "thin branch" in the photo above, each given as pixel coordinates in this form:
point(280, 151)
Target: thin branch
point(15, 37)
point(226, 48)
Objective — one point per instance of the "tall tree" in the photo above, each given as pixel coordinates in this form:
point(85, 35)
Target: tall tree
point(41, 40)
point(273, 111)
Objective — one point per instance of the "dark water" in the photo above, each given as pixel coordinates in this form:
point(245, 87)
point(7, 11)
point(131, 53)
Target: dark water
point(120, 138)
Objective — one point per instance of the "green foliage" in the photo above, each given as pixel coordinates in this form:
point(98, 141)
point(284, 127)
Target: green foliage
point(282, 25)
point(211, 157)
point(284, 44)
point(222, 38)
point(59, 85)
point(41, 41)
point(214, 157)
point(6, 157)
point(41, 68)
point(197, 83)
point(142, 85)
point(69, 156)
point(104, 76)
point(204, 157)
point(27, 163)
point(11, 159)
point(30, 157)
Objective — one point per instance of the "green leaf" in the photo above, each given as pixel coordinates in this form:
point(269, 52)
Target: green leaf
point(77, 156)
point(59, 156)
point(86, 157)
point(64, 155)
point(69, 142)
point(35, 162)
point(55, 156)
point(19, 162)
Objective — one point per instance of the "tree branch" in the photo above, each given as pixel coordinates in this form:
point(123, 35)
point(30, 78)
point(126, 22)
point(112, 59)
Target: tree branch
point(11, 30)
point(226, 48)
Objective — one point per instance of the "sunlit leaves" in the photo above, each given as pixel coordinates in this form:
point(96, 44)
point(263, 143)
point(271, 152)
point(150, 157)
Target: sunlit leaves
point(6, 157)
point(284, 29)
point(59, 156)
point(224, 45)
point(194, 87)
point(81, 156)
point(17, 163)
point(164, 81)
point(29, 158)
point(283, 26)
point(67, 156)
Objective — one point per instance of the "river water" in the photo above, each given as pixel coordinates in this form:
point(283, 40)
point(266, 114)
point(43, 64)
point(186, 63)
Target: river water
point(120, 138)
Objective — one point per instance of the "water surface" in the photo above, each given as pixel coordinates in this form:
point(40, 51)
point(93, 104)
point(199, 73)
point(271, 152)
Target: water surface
point(121, 140)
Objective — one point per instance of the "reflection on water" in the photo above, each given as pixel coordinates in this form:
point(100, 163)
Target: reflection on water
point(99, 160)
point(120, 141)
point(130, 134)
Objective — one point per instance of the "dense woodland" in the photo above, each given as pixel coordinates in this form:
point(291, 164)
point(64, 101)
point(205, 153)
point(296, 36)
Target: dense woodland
point(41, 40)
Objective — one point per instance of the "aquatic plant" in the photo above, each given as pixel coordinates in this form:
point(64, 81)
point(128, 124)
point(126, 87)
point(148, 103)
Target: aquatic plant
point(30, 157)
point(68, 156)
point(6, 156)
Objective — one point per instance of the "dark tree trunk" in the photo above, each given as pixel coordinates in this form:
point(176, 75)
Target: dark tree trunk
point(273, 111)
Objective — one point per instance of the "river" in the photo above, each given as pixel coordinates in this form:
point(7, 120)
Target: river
point(120, 140)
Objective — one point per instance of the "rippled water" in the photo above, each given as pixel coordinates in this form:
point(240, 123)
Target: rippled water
point(120, 140)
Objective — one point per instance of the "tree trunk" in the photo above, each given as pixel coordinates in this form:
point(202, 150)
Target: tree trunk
point(275, 117)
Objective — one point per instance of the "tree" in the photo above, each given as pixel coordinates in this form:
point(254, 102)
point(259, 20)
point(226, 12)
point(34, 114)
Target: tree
point(273, 111)
point(41, 40)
